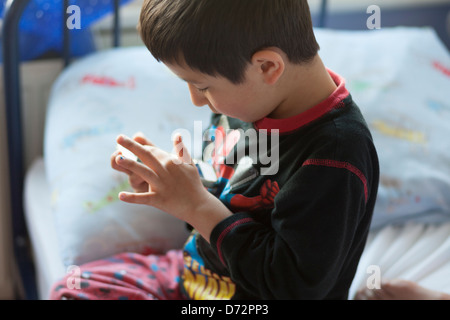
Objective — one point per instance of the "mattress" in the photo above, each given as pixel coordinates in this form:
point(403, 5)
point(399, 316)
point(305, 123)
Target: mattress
point(40, 223)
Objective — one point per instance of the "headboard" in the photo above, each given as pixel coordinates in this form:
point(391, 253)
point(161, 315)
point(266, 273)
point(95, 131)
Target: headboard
point(14, 10)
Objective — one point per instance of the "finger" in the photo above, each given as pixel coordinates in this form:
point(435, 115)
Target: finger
point(142, 153)
point(137, 182)
point(115, 165)
point(137, 198)
point(140, 138)
point(181, 151)
point(146, 173)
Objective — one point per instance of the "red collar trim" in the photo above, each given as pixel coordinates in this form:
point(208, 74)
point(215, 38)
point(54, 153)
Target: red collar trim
point(295, 122)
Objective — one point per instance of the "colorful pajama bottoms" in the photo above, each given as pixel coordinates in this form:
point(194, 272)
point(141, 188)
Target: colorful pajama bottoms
point(126, 276)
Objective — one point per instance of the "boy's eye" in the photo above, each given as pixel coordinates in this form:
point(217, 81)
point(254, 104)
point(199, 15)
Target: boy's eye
point(202, 90)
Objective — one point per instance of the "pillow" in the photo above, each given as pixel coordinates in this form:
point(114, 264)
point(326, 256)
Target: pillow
point(93, 101)
point(400, 78)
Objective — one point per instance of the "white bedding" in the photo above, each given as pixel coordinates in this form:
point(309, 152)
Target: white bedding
point(41, 226)
point(416, 251)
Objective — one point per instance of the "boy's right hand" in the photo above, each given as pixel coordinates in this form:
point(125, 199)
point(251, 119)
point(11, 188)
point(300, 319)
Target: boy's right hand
point(136, 182)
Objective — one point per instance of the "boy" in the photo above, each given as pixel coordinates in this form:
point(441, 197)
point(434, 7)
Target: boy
point(295, 230)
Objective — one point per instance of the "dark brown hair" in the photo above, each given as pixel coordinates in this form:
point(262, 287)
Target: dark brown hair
point(219, 37)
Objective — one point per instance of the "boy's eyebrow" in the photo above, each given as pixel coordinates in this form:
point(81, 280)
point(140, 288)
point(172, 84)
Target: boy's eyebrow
point(190, 81)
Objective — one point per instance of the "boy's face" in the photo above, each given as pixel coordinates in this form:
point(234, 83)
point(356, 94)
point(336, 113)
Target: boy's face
point(249, 101)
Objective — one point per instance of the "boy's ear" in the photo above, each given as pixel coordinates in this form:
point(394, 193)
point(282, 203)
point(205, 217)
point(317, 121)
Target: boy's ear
point(270, 64)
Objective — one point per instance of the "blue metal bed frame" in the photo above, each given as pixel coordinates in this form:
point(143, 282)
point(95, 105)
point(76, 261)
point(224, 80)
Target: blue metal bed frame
point(12, 86)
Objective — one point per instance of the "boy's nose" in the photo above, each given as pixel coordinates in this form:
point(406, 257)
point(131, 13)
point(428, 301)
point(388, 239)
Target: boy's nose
point(198, 98)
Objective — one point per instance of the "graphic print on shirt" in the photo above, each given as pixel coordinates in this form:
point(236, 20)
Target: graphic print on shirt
point(232, 171)
point(200, 283)
point(234, 167)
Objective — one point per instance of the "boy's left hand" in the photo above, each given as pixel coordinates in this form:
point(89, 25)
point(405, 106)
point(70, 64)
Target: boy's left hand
point(174, 185)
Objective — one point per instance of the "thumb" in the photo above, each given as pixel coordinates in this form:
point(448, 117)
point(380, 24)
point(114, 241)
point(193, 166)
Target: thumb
point(141, 139)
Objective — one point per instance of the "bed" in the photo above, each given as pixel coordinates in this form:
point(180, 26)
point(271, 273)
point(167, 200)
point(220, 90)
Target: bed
point(70, 218)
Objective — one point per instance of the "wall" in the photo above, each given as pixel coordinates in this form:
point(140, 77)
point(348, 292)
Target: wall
point(352, 14)
point(357, 5)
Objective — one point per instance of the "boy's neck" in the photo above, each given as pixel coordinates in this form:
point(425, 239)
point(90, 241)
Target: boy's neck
point(303, 87)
